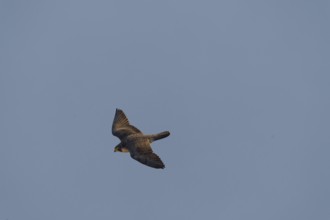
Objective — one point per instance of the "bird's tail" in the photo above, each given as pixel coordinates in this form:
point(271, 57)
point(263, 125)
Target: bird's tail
point(161, 135)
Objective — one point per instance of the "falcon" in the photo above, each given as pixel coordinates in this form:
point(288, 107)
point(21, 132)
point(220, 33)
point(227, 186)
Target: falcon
point(132, 140)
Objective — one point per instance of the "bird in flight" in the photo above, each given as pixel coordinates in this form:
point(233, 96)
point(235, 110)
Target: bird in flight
point(132, 140)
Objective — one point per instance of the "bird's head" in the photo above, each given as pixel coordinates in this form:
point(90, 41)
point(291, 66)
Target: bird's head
point(120, 148)
point(117, 148)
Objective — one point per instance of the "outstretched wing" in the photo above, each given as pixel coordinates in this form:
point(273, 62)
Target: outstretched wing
point(141, 151)
point(121, 127)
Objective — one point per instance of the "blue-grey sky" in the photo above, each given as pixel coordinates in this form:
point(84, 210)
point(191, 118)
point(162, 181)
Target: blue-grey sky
point(243, 87)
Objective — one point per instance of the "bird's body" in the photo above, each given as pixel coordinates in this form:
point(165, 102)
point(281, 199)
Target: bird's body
point(132, 140)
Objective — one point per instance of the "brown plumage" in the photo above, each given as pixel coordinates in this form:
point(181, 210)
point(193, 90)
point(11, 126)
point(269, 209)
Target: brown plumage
point(132, 140)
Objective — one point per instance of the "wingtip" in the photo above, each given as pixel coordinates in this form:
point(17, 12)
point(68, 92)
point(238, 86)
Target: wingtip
point(160, 167)
point(118, 110)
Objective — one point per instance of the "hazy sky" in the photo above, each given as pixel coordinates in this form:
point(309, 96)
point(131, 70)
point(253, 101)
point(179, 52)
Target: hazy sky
point(243, 87)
